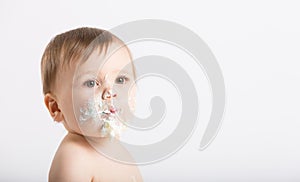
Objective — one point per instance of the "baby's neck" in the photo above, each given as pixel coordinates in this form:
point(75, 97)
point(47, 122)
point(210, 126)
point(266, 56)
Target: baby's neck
point(108, 147)
point(95, 142)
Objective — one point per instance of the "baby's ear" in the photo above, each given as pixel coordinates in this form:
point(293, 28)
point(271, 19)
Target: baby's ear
point(53, 108)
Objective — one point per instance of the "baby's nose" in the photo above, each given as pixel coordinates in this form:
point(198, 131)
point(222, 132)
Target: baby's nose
point(108, 94)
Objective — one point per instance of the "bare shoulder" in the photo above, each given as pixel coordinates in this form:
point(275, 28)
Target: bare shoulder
point(71, 161)
point(75, 160)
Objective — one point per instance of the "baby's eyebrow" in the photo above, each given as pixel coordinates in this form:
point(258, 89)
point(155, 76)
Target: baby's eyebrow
point(97, 74)
point(91, 72)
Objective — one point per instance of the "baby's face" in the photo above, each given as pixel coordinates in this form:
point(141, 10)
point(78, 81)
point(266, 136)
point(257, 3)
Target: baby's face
point(96, 96)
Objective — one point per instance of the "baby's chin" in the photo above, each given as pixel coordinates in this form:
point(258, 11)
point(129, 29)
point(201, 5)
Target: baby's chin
point(102, 128)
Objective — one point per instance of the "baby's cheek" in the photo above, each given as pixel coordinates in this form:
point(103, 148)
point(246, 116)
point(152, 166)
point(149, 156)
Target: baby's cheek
point(132, 98)
point(126, 106)
point(80, 100)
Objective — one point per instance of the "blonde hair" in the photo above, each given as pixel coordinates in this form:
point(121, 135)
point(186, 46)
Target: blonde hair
point(67, 48)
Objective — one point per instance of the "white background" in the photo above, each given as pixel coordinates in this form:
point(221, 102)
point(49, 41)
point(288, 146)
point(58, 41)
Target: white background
point(255, 42)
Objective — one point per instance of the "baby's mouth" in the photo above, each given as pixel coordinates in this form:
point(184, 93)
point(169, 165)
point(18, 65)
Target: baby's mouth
point(109, 110)
point(102, 112)
point(112, 110)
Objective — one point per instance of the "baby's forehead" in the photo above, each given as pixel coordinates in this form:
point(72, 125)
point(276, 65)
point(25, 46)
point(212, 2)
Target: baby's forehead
point(116, 59)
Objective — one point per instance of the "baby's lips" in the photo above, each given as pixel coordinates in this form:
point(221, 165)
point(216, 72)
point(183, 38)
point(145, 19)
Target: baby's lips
point(113, 110)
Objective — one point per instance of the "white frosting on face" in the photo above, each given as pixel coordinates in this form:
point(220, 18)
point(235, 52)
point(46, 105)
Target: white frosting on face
point(104, 114)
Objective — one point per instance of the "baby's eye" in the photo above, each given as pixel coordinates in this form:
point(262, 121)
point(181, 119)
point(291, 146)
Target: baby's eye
point(122, 80)
point(91, 83)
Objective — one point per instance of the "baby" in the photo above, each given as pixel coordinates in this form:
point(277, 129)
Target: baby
point(89, 86)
